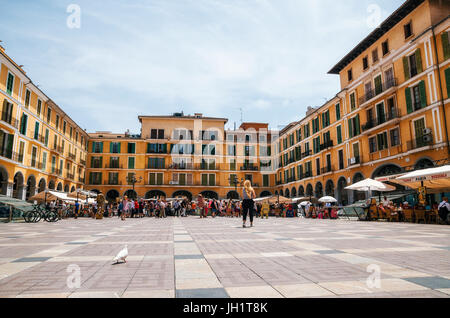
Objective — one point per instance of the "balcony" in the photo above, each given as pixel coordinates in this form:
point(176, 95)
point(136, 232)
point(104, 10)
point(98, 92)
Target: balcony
point(374, 122)
point(249, 168)
point(72, 156)
point(354, 161)
point(306, 154)
point(70, 176)
point(6, 153)
point(326, 145)
point(327, 169)
point(183, 166)
point(156, 167)
point(423, 141)
point(9, 119)
point(83, 162)
point(112, 182)
point(113, 166)
point(377, 91)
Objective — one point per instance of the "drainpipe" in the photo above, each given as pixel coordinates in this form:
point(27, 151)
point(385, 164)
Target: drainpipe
point(440, 87)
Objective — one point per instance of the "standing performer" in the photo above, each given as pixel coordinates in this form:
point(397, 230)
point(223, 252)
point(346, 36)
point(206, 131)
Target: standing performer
point(248, 204)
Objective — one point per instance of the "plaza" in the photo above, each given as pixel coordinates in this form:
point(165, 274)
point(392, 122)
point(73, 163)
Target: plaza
point(216, 258)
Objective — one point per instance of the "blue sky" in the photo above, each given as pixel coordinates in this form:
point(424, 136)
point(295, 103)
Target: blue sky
point(156, 57)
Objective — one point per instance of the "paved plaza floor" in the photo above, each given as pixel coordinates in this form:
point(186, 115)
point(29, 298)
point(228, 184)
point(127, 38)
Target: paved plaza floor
point(192, 257)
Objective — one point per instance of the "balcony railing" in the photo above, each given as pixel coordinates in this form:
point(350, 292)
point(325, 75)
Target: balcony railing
point(8, 118)
point(83, 162)
point(72, 156)
point(374, 122)
point(327, 169)
point(249, 168)
point(420, 142)
point(70, 176)
point(156, 167)
point(377, 91)
point(184, 166)
point(112, 182)
point(354, 161)
point(326, 145)
point(306, 154)
point(113, 166)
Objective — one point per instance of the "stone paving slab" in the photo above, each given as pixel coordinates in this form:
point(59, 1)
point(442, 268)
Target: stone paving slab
point(192, 257)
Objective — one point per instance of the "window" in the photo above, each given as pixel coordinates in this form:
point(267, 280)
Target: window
point(395, 137)
point(316, 144)
point(97, 147)
point(27, 98)
point(70, 132)
point(318, 166)
point(416, 97)
point(36, 131)
point(95, 178)
point(208, 164)
point(382, 141)
point(408, 30)
point(53, 164)
point(46, 137)
point(232, 164)
point(156, 163)
point(7, 112)
point(38, 108)
point(156, 148)
point(231, 150)
point(131, 162)
point(339, 134)
point(57, 121)
point(157, 134)
point(114, 162)
point(352, 101)
point(10, 84)
point(326, 119)
point(208, 179)
point(61, 166)
point(44, 161)
point(21, 151)
point(114, 147)
point(155, 178)
point(378, 85)
point(375, 56)
point(64, 127)
point(209, 150)
point(365, 63)
point(412, 64)
point(113, 178)
point(23, 124)
point(341, 159)
point(372, 144)
point(385, 47)
point(338, 111)
point(96, 162)
point(445, 37)
point(350, 75)
point(131, 147)
point(265, 180)
point(353, 126)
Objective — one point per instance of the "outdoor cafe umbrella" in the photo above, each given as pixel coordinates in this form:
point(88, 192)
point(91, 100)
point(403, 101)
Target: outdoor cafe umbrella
point(305, 203)
point(327, 199)
point(434, 179)
point(370, 185)
point(303, 199)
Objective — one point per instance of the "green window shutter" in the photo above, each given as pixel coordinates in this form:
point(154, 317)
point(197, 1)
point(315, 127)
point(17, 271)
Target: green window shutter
point(131, 163)
point(212, 179)
point(445, 45)
point(101, 162)
point(358, 126)
point(423, 94)
point(339, 135)
point(204, 179)
point(36, 130)
point(447, 80)
point(9, 146)
point(159, 178)
point(93, 146)
point(152, 178)
point(90, 177)
point(409, 108)
point(110, 147)
point(406, 68)
point(419, 61)
point(350, 128)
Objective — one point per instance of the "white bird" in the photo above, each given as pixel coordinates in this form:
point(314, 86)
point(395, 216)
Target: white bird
point(122, 255)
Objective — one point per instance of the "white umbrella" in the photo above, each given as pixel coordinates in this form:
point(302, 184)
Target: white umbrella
point(436, 179)
point(327, 199)
point(370, 185)
point(305, 203)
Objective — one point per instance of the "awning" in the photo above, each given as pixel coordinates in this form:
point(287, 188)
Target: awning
point(51, 196)
point(437, 179)
point(16, 203)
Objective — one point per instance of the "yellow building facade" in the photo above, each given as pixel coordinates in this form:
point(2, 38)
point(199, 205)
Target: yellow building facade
point(40, 146)
point(180, 155)
point(391, 115)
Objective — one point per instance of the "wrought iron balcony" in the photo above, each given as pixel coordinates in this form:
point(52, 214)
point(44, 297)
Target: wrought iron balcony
point(422, 141)
point(112, 182)
point(326, 145)
point(377, 90)
point(113, 166)
point(354, 161)
point(249, 168)
point(306, 154)
point(374, 122)
point(327, 169)
point(9, 119)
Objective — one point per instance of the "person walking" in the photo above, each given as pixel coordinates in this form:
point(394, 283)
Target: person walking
point(248, 194)
point(200, 205)
point(443, 210)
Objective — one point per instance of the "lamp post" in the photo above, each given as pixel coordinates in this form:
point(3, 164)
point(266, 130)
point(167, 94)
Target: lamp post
point(131, 179)
point(234, 181)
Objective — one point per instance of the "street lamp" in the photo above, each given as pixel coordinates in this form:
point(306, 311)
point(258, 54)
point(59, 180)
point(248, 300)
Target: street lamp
point(131, 179)
point(234, 181)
